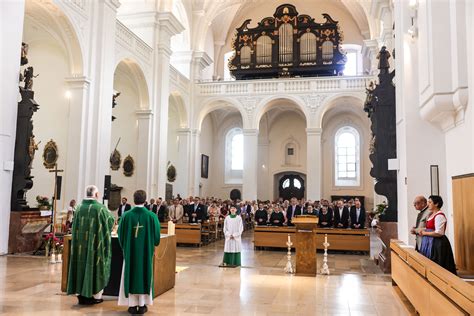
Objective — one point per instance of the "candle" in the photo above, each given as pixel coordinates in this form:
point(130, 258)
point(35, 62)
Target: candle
point(325, 238)
point(289, 238)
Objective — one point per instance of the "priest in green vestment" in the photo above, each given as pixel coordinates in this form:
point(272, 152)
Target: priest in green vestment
point(139, 234)
point(91, 249)
point(233, 229)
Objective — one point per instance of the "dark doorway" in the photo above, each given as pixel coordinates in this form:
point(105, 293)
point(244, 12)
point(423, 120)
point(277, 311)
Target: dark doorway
point(291, 185)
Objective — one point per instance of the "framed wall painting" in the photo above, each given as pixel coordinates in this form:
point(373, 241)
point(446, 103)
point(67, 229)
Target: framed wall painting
point(204, 166)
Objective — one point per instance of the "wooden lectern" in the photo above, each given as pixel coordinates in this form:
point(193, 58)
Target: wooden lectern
point(305, 245)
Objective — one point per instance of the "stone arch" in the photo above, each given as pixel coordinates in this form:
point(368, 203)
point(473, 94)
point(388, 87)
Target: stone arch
point(55, 20)
point(343, 99)
point(138, 77)
point(265, 104)
point(177, 101)
point(218, 103)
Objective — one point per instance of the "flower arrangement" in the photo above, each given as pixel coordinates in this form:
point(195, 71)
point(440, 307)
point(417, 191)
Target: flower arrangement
point(43, 202)
point(380, 209)
point(52, 242)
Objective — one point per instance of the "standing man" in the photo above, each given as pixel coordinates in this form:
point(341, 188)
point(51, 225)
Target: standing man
point(293, 209)
point(176, 212)
point(91, 250)
point(139, 234)
point(197, 212)
point(341, 215)
point(357, 215)
point(124, 206)
point(421, 205)
point(233, 229)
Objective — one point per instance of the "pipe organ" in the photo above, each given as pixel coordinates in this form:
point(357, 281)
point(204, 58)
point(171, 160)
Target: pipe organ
point(287, 45)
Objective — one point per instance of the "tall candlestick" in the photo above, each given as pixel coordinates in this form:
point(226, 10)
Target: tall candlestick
point(289, 238)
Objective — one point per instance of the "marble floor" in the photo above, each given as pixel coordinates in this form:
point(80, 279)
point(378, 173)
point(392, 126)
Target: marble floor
point(31, 286)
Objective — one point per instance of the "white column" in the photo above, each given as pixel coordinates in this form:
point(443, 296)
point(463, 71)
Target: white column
point(11, 18)
point(76, 151)
point(371, 49)
point(196, 163)
point(98, 124)
point(313, 164)
point(183, 168)
point(249, 185)
point(144, 162)
point(167, 25)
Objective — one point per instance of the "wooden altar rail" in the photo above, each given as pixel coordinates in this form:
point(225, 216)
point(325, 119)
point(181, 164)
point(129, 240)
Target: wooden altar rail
point(431, 289)
point(339, 239)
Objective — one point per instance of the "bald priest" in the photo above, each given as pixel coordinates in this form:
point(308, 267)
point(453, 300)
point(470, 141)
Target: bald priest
point(139, 234)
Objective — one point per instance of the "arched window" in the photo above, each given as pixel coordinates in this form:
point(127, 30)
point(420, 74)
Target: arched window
point(347, 157)
point(353, 66)
point(308, 47)
point(286, 43)
point(245, 55)
point(264, 50)
point(234, 155)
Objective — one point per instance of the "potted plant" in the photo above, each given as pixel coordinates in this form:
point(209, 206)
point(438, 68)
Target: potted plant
point(43, 202)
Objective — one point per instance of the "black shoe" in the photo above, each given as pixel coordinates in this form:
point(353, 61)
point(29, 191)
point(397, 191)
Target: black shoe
point(96, 301)
point(132, 310)
point(142, 310)
point(84, 300)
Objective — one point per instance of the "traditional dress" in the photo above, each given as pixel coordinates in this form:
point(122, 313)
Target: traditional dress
point(438, 249)
point(91, 250)
point(233, 227)
point(139, 234)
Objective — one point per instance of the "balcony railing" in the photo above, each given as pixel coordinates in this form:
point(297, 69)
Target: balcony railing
point(284, 85)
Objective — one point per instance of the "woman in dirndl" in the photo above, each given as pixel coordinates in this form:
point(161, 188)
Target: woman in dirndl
point(434, 244)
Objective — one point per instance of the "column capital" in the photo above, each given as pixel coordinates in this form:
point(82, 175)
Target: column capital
point(184, 131)
point(166, 21)
point(202, 59)
point(78, 82)
point(313, 131)
point(144, 114)
point(250, 132)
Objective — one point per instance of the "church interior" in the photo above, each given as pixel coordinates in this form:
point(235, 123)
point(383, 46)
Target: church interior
point(298, 109)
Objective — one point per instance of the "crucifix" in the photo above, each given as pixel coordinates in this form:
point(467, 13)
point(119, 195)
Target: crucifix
point(56, 171)
point(136, 229)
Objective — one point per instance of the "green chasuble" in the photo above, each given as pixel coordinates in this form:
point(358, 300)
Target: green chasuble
point(91, 249)
point(139, 234)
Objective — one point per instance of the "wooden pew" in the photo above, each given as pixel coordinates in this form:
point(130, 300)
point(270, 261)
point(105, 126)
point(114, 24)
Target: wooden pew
point(339, 239)
point(272, 236)
point(431, 289)
point(185, 233)
point(344, 239)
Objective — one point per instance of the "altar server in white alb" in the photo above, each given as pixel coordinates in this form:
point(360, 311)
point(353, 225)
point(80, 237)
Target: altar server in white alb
point(233, 229)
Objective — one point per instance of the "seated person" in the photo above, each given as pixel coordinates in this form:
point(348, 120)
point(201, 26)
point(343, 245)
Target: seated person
point(357, 215)
point(325, 217)
point(261, 215)
point(277, 218)
point(310, 211)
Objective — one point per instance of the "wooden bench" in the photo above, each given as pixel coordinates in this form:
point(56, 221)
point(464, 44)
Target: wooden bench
point(339, 239)
point(189, 234)
point(344, 239)
point(431, 289)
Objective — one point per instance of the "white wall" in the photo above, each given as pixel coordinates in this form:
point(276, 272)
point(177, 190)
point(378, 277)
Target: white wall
point(333, 120)
point(287, 126)
point(51, 62)
point(207, 147)
point(125, 127)
point(173, 143)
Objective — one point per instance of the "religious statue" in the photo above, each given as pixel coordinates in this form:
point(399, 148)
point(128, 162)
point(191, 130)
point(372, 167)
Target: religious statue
point(28, 75)
point(32, 148)
point(368, 106)
point(383, 57)
point(24, 53)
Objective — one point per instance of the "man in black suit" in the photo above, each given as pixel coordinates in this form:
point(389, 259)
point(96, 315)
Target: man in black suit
point(341, 215)
point(196, 211)
point(124, 206)
point(261, 215)
point(161, 210)
point(357, 215)
point(293, 209)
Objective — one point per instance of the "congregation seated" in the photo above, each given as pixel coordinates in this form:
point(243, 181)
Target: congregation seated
point(277, 218)
point(325, 217)
point(310, 211)
point(261, 215)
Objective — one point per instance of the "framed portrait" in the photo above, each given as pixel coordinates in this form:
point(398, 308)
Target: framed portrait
point(204, 166)
point(128, 166)
point(50, 155)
